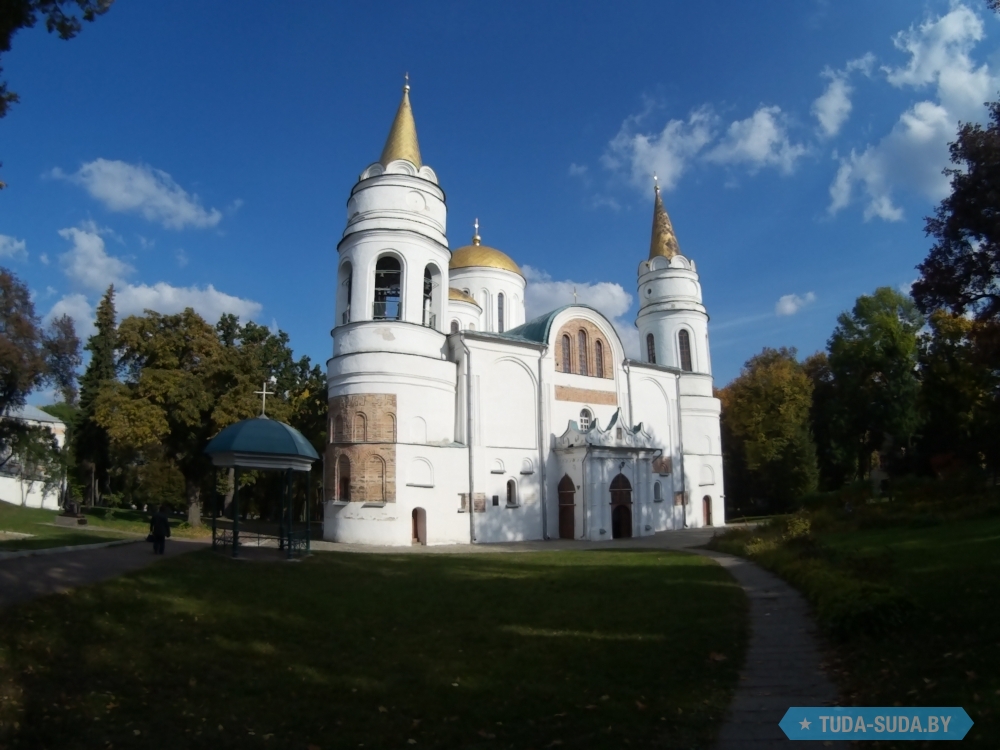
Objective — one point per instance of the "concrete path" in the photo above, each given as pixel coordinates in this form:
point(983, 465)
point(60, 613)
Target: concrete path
point(25, 578)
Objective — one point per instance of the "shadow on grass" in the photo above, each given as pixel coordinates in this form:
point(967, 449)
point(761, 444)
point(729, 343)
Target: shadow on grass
point(592, 650)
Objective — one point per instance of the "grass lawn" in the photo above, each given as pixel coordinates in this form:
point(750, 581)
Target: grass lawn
point(949, 655)
point(588, 649)
point(36, 522)
point(137, 522)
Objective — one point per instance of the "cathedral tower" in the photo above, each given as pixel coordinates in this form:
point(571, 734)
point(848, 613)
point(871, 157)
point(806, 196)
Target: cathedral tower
point(672, 321)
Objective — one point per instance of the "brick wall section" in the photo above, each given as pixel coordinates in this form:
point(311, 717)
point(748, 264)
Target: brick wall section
point(362, 427)
point(586, 396)
point(594, 334)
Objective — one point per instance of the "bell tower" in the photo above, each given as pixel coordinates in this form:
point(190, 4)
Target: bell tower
point(672, 321)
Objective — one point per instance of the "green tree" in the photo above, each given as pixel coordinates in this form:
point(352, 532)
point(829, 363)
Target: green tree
point(835, 456)
point(873, 360)
point(90, 442)
point(172, 366)
point(765, 413)
point(30, 356)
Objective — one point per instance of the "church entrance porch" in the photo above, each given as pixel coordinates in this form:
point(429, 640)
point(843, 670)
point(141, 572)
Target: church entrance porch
point(567, 508)
point(621, 508)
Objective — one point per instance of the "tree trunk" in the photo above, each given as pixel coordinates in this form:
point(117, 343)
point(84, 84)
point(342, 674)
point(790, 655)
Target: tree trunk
point(193, 492)
point(229, 493)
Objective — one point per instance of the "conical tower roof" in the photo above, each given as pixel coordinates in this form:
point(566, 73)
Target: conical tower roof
point(402, 140)
point(664, 241)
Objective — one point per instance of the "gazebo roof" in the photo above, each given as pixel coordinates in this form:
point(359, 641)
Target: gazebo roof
point(261, 443)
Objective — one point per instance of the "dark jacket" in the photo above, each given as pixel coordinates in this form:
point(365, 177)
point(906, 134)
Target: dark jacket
point(159, 525)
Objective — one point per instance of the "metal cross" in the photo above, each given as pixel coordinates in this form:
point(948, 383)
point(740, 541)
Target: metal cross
point(574, 295)
point(263, 398)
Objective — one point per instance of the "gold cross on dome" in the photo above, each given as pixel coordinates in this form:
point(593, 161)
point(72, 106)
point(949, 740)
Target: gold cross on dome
point(263, 393)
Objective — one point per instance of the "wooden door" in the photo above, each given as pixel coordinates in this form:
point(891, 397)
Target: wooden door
point(706, 508)
point(567, 508)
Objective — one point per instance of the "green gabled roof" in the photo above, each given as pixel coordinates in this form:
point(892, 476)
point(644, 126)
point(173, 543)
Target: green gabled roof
point(262, 436)
point(538, 330)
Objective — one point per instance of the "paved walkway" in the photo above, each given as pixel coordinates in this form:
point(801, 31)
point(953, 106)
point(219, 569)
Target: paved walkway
point(25, 578)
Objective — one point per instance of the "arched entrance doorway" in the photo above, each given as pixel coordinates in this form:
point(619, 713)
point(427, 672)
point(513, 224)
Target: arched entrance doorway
point(567, 508)
point(419, 526)
point(621, 508)
point(706, 509)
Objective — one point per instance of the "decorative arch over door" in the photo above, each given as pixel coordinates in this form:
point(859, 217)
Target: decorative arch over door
point(621, 507)
point(567, 508)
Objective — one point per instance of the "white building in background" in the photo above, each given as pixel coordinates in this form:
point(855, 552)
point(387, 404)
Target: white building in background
point(16, 485)
point(454, 420)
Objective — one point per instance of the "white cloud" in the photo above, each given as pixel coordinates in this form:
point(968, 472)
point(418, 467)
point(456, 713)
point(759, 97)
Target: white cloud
point(44, 257)
point(164, 298)
point(181, 257)
point(792, 303)
point(833, 107)
point(577, 170)
point(759, 141)
point(87, 264)
point(12, 248)
point(543, 294)
point(142, 189)
point(912, 155)
point(77, 307)
point(666, 154)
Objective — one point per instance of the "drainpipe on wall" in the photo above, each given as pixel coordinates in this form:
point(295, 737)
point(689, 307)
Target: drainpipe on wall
point(468, 439)
point(680, 448)
point(628, 380)
point(542, 445)
point(583, 492)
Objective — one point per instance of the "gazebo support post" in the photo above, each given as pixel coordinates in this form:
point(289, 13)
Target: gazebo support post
point(215, 513)
point(291, 505)
point(309, 483)
point(236, 511)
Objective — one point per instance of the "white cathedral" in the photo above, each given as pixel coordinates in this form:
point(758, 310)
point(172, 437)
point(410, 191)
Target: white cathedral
point(455, 420)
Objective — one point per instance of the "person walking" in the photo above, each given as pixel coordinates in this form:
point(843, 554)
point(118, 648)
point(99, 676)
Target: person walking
point(159, 530)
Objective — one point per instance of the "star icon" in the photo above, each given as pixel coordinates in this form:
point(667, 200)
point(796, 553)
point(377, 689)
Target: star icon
point(804, 724)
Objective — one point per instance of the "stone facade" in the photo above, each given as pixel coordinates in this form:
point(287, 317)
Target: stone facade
point(362, 430)
point(586, 395)
point(594, 335)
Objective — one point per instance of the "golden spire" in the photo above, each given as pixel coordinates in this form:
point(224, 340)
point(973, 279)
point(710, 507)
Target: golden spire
point(664, 241)
point(402, 140)
point(476, 239)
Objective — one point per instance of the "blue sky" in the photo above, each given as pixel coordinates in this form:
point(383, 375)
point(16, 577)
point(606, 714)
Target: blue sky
point(199, 156)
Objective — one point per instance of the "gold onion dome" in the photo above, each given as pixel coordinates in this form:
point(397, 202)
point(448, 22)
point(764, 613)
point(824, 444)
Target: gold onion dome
point(664, 241)
point(402, 140)
point(457, 295)
point(478, 255)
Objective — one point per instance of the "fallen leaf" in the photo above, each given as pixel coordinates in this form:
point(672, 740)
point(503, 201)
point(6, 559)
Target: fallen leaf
point(383, 710)
point(136, 732)
point(716, 656)
point(605, 697)
point(411, 741)
point(640, 705)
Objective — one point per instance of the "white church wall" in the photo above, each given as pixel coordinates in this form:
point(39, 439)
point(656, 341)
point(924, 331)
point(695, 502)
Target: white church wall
point(484, 284)
point(503, 522)
point(29, 494)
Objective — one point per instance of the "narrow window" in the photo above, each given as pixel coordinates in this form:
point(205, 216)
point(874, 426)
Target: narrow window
point(388, 285)
point(346, 317)
point(650, 349)
point(338, 429)
point(585, 419)
point(511, 492)
point(343, 479)
point(599, 358)
point(454, 326)
point(684, 343)
point(500, 318)
point(428, 298)
point(360, 428)
point(567, 363)
point(657, 497)
point(581, 338)
point(472, 326)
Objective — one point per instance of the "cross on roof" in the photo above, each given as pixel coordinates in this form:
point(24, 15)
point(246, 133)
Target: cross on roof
point(263, 393)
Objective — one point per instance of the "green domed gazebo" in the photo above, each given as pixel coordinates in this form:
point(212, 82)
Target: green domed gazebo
point(264, 443)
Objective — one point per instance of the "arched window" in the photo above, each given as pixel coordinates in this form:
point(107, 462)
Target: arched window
point(343, 479)
point(472, 326)
point(581, 339)
point(586, 418)
point(346, 283)
point(684, 344)
point(454, 326)
point(338, 429)
point(375, 480)
point(500, 313)
point(428, 314)
point(511, 492)
point(567, 362)
point(388, 286)
point(599, 358)
point(650, 349)
point(360, 428)
point(657, 493)
point(391, 421)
